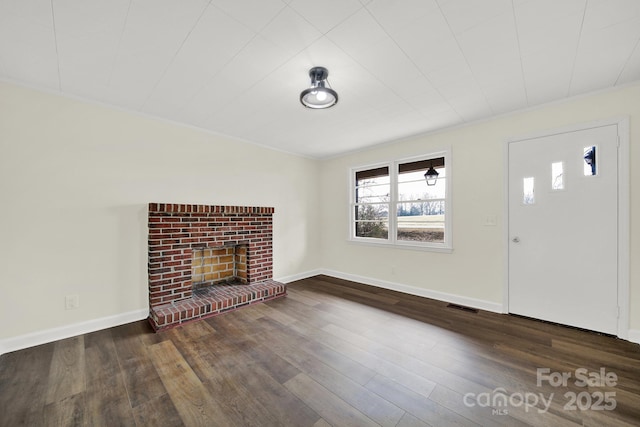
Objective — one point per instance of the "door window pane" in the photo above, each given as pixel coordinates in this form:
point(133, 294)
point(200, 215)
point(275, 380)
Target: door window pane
point(590, 165)
point(557, 176)
point(528, 193)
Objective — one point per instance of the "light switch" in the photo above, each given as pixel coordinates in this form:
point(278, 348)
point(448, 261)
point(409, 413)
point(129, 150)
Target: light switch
point(490, 220)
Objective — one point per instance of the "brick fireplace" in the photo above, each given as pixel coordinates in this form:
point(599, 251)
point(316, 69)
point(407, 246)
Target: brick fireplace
point(205, 260)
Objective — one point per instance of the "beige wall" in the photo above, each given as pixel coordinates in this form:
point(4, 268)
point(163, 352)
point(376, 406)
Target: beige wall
point(75, 180)
point(475, 269)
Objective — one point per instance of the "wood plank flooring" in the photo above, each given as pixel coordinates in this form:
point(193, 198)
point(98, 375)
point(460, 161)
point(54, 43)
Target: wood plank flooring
point(332, 353)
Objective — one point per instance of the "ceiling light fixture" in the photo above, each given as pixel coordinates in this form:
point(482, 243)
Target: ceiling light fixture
point(319, 95)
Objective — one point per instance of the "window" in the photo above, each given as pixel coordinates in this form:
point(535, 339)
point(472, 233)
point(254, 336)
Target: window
point(394, 204)
point(372, 196)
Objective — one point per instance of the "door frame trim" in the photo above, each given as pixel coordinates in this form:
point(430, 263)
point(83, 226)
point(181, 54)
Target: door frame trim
point(622, 122)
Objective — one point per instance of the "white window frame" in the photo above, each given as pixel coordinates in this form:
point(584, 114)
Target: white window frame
point(391, 240)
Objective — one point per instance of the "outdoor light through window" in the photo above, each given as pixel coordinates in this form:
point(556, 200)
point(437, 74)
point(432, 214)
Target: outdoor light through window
point(319, 95)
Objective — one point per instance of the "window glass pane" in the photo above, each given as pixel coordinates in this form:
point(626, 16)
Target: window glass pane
point(528, 193)
point(419, 175)
point(379, 176)
point(419, 190)
point(372, 212)
point(590, 165)
point(427, 207)
point(373, 229)
point(557, 176)
point(374, 183)
point(421, 221)
point(375, 173)
point(414, 171)
point(372, 194)
point(371, 186)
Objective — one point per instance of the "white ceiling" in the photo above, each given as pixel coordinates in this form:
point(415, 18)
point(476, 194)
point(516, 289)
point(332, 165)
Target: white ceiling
point(400, 67)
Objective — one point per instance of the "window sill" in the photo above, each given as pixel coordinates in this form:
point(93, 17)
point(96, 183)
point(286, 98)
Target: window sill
point(408, 246)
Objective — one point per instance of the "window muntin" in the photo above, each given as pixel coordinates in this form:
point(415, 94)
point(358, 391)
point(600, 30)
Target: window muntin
point(399, 208)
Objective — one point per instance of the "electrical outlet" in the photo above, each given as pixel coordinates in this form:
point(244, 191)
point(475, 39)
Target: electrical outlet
point(71, 302)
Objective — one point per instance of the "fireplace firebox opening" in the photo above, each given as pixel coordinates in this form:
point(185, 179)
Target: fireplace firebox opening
point(219, 264)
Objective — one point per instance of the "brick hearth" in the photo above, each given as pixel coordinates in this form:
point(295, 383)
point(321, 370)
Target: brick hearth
point(176, 230)
point(214, 300)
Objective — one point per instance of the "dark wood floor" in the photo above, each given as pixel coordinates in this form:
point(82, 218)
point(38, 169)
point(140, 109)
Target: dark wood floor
point(331, 353)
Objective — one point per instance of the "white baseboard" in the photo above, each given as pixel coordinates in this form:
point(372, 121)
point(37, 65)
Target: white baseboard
point(632, 336)
point(50, 335)
point(421, 292)
point(299, 276)
point(42, 337)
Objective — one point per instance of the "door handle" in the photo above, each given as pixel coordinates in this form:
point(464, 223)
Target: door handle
point(516, 240)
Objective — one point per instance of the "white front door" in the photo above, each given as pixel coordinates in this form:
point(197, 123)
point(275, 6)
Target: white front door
point(563, 228)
